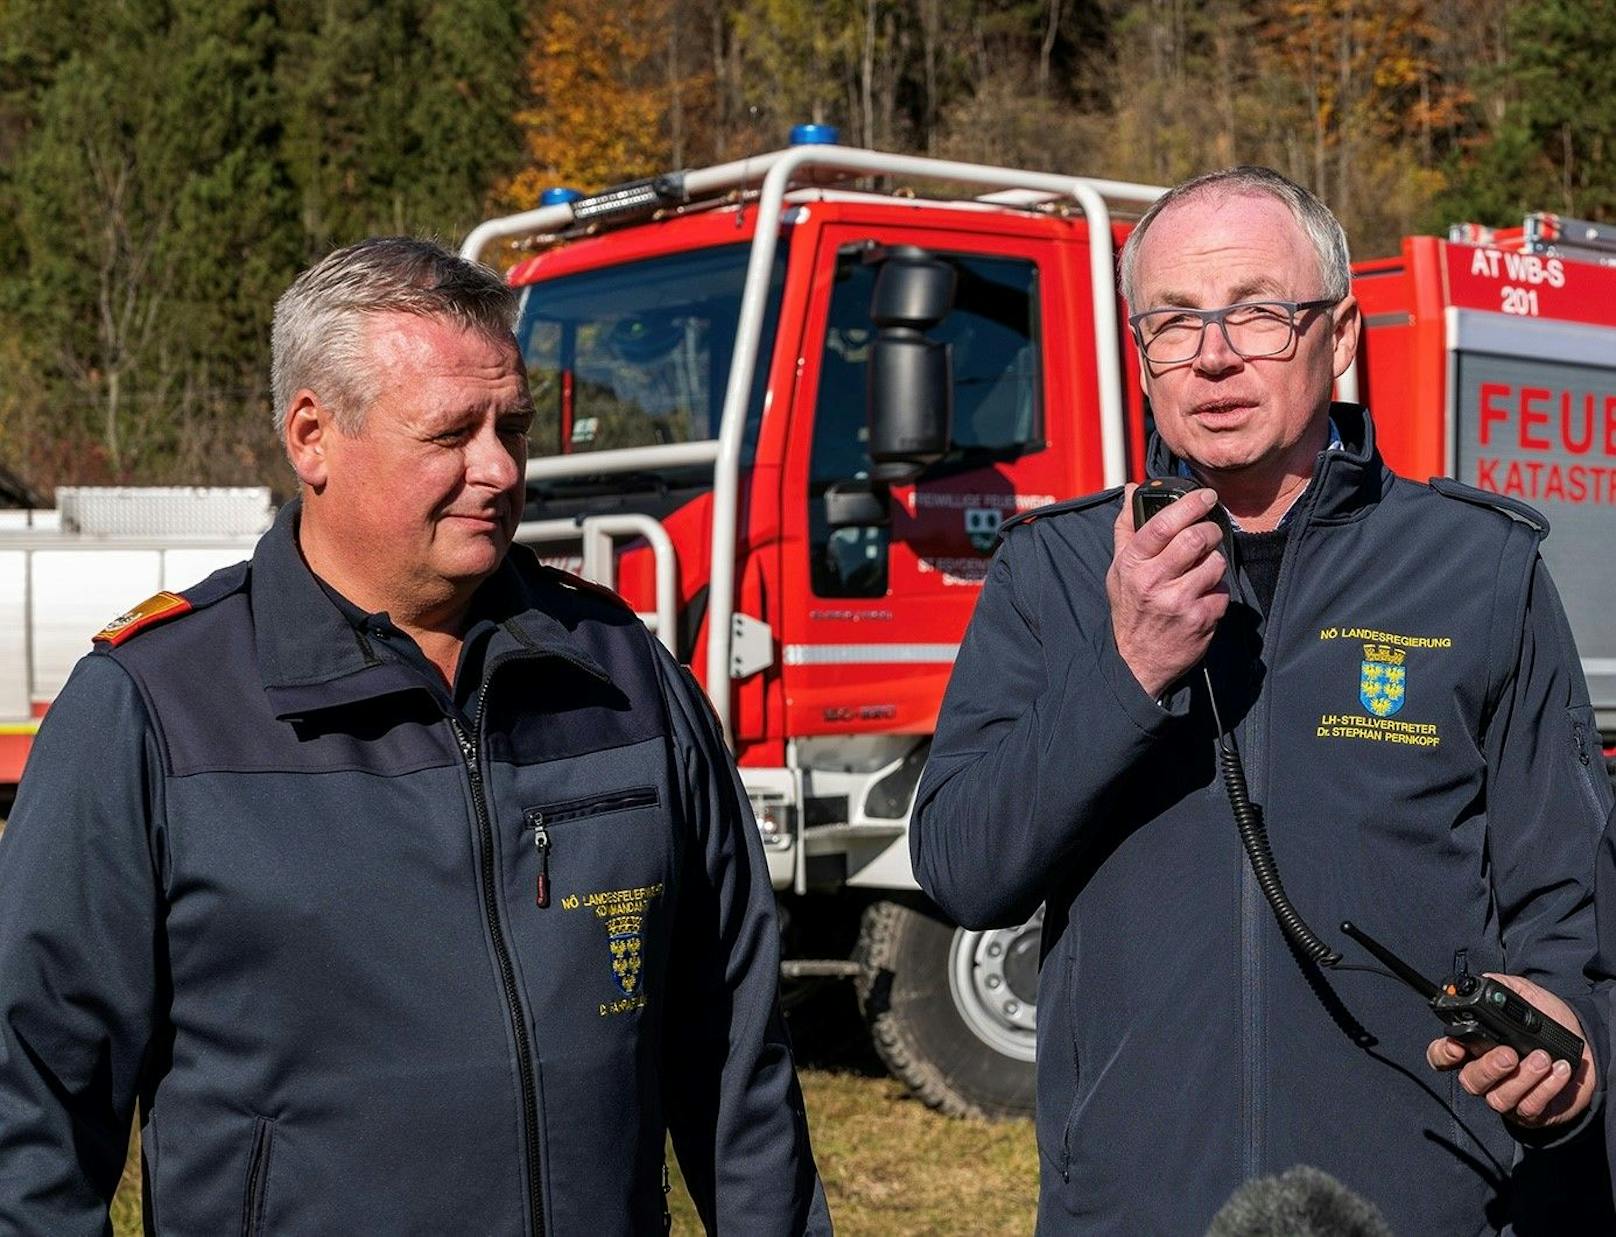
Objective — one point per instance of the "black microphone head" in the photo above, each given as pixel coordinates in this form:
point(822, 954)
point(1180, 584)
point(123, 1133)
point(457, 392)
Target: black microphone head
point(1301, 1202)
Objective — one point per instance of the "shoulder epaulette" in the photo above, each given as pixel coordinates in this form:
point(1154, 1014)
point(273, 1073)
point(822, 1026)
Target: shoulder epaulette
point(578, 584)
point(166, 606)
point(1060, 508)
point(149, 613)
point(1512, 507)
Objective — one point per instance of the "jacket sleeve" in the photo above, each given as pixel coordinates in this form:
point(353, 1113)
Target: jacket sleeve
point(78, 919)
point(1596, 1011)
point(1036, 731)
point(734, 1108)
point(1547, 801)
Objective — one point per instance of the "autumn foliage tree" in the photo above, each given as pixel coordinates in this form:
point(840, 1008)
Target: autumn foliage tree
point(600, 98)
point(1363, 79)
point(1546, 111)
point(167, 167)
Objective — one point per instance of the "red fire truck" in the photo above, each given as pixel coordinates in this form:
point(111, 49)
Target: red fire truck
point(743, 374)
point(1491, 357)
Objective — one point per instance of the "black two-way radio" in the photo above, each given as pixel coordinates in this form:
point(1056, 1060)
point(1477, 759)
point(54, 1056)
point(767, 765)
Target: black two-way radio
point(1149, 498)
point(1159, 493)
point(1480, 1011)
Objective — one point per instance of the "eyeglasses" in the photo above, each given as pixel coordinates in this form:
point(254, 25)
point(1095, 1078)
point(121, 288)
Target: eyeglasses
point(1252, 329)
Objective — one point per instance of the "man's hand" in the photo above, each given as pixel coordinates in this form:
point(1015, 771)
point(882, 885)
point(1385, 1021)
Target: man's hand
point(1166, 588)
point(1535, 1092)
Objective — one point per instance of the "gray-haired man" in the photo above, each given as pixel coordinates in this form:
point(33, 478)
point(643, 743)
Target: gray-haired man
point(1395, 671)
point(404, 882)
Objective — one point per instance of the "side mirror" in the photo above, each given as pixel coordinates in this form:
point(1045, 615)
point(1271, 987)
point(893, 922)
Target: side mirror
point(911, 392)
point(858, 504)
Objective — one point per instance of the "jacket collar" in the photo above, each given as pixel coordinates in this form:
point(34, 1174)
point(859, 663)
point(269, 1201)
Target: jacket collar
point(311, 657)
point(1345, 479)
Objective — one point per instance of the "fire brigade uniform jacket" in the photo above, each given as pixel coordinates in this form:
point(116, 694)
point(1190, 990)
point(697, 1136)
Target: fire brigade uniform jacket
point(258, 878)
point(1415, 724)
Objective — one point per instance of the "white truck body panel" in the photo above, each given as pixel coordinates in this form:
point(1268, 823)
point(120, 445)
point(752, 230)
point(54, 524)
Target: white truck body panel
point(58, 586)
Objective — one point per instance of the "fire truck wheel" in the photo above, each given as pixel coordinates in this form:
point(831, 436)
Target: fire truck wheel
point(952, 1013)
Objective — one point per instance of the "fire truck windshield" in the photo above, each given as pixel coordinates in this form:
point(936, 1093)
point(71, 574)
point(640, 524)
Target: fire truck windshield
point(638, 355)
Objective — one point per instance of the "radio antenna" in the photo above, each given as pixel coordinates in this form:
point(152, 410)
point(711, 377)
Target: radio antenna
point(1398, 967)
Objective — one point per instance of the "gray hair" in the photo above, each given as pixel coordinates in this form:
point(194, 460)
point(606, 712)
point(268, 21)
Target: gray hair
point(319, 338)
point(1318, 224)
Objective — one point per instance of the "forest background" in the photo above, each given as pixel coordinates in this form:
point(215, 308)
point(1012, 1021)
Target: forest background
point(167, 166)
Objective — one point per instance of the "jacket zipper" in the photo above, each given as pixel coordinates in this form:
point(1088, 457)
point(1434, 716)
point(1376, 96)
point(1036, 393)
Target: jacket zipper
point(1253, 906)
point(507, 972)
point(667, 1189)
point(496, 932)
point(539, 819)
point(1250, 981)
point(541, 842)
point(594, 805)
point(1456, 1127)
point(1579, 742)
point(257, 1176)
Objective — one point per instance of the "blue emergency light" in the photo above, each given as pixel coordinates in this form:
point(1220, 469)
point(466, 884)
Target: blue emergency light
point(815, 135)
point(559, 197)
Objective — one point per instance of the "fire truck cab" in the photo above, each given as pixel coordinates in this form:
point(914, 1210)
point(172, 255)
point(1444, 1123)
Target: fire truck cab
point(704, 351)
point(784, 412)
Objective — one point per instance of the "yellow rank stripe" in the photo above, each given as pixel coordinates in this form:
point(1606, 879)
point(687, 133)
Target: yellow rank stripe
point(152, 610)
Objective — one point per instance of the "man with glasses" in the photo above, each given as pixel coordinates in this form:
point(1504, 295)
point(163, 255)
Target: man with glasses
point(1389, 663)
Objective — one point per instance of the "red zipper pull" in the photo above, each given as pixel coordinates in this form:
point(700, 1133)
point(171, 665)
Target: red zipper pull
point(541, 843)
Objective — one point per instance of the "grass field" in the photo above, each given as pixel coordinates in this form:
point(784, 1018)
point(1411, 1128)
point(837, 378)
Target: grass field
point(891, 1166)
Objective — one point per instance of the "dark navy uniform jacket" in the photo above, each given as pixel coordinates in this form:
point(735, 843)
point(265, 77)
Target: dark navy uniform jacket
point(1414, 721)
point(262, 879)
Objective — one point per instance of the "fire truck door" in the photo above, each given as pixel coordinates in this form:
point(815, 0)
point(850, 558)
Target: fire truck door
point(891, 576)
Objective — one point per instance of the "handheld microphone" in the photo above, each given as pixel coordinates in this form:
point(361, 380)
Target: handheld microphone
point(1301, 1202)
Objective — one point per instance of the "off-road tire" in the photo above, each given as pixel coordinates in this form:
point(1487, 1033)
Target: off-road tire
point(916, 1025)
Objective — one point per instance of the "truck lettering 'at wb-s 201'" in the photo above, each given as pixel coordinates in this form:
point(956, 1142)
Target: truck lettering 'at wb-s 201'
point(835, 395)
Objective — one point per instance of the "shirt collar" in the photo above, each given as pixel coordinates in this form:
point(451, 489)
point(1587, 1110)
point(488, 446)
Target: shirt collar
point(311, 641)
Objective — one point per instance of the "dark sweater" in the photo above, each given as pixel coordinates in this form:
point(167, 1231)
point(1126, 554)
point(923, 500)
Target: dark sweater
point(1260, 554)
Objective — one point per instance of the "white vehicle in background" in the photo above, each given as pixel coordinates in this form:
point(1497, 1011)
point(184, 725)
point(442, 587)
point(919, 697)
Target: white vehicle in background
point(66, 572)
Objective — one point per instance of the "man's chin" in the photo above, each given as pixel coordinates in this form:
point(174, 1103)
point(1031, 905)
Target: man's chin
point(476, 559)
point(1223, 462)
point(1218, 455)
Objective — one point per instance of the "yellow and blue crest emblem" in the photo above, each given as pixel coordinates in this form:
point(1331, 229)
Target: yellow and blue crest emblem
point(624, 914)
point(623, 936)
point(1382, 679)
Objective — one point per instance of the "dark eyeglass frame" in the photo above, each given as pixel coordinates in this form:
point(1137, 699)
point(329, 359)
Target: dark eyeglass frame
point(1210, 317)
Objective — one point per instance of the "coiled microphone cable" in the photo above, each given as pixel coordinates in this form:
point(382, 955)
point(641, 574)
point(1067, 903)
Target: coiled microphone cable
point(1248, 823)
point(1149, 498)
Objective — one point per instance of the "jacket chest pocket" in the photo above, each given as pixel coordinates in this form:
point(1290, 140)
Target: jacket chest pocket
point(557, 831)
point(597, 871)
